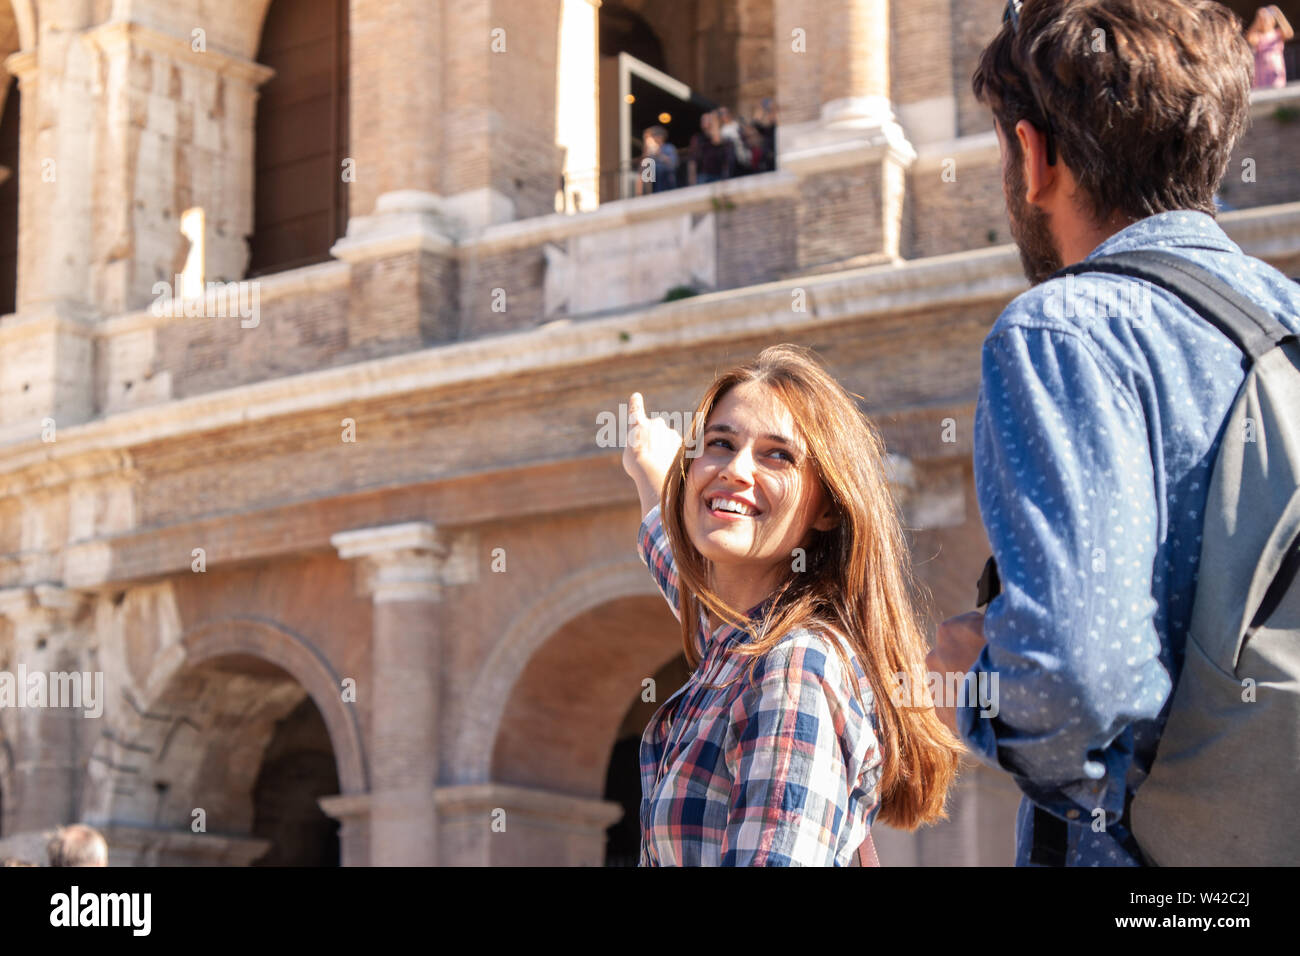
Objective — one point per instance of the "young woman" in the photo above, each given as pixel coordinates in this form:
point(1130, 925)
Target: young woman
point(1267, 36)
point(778, 545)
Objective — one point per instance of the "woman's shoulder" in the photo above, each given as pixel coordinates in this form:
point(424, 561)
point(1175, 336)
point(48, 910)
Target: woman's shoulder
point(818, 652)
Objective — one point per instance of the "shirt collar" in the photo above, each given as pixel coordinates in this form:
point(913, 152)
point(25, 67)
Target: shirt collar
point(728, 632)
point(1180, 228)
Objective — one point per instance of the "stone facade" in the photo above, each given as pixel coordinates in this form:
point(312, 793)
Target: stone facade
point(367, 536)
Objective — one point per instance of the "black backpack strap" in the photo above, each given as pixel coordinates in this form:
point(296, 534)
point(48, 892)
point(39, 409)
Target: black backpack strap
point(1252, 329)
point(989, 585)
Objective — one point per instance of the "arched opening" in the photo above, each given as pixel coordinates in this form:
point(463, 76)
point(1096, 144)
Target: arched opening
point(300, 192)
point(298, 768)
point(223, 767)
point(9, 120)
point(563, 718)
point(623, 778)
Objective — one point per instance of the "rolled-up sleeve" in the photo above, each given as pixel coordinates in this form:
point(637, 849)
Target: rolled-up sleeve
point(790, 792)
point(1066, 490)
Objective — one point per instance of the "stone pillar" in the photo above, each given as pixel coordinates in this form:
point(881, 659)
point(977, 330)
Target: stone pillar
point(577, 126)
point(922, 69)
point(124, 128)
point(179, 118)
point(395, 82)
point(838, 133)
point(404, 568)
point(352, 811)
point(46, 731)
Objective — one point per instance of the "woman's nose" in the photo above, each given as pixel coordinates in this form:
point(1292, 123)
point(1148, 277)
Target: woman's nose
point(740, 466)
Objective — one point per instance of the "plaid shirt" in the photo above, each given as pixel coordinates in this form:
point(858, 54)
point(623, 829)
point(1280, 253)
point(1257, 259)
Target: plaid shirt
point(783, 773)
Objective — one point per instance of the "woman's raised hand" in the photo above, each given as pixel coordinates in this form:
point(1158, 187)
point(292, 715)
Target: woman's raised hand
point(652, 446)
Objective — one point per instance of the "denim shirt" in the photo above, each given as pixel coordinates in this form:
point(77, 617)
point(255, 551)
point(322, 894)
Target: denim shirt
point(1096, 428)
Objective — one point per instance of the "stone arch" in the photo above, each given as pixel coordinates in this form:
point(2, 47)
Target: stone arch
point(146, 730)
point(584, 591)
point(302, 661)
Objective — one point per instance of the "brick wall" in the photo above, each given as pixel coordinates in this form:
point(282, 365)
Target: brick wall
point(519, 273)
point(974, 24)
point(1273, 142)
point(756, 243)
point(944, 217)
point(920, 59)
point(839, 215)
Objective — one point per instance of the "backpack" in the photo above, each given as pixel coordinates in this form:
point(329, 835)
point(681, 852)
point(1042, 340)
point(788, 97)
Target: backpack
point(1225, 778)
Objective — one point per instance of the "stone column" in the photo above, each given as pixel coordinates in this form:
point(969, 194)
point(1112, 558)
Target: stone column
point(404, 568)
point(922, 70)
point(837, 130)
point(577, 123)
point(352, 811)
point(179, 135)
point(46, 731)
point(124, 128)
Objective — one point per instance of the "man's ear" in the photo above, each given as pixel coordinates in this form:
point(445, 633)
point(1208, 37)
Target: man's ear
point(1038, 176)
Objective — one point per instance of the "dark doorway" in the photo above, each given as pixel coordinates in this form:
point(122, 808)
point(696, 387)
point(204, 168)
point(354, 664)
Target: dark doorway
point(297, 769)
point(623, 777)
point(300, 196)
point(9, 200)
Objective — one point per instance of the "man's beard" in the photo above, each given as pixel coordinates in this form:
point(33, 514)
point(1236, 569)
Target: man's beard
point(1038, 253)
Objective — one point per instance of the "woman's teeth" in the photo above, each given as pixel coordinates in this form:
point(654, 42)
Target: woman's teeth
point(727, 504)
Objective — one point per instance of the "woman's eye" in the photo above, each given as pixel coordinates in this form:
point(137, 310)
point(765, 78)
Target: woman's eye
point(720, 441)
point(788, 456)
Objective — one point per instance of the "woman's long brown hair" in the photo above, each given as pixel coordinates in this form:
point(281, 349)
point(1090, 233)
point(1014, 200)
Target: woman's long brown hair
point(857, 577)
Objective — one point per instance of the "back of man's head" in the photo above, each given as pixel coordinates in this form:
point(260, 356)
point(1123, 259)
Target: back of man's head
point(78, 845)
point(1144, 100)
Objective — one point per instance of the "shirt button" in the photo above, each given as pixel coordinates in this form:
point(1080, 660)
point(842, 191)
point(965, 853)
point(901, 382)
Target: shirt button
point(1072, 814)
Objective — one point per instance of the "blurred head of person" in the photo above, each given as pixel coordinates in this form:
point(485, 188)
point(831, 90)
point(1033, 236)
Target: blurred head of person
point(78, 845)
point(1129, 108)
point(1265, 21)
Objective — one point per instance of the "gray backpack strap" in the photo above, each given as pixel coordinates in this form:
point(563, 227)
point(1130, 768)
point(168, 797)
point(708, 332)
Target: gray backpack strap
point(1252, 329)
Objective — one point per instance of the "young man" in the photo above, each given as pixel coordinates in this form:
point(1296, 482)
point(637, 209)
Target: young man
point(1101, 401)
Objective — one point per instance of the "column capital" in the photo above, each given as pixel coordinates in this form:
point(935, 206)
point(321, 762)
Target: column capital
point(411, 561)
point(22, 64)
point(42, 607)
point(124, 34)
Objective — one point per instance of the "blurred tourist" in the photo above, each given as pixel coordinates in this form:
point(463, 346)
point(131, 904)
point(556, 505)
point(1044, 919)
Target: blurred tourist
point(1267, 36)
point(78, 845)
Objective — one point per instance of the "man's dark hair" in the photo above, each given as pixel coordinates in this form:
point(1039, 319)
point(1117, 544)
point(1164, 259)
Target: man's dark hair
point(1144, 100)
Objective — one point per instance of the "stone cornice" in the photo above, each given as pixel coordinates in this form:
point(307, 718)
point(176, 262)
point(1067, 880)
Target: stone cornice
point(116, 34)
point(411, 561)
point(939, 282)
point(979, 148)
point(318, 279)
point(1264, 101)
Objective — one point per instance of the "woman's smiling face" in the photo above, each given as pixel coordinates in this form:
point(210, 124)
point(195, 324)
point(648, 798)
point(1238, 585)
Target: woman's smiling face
point(753, 494)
